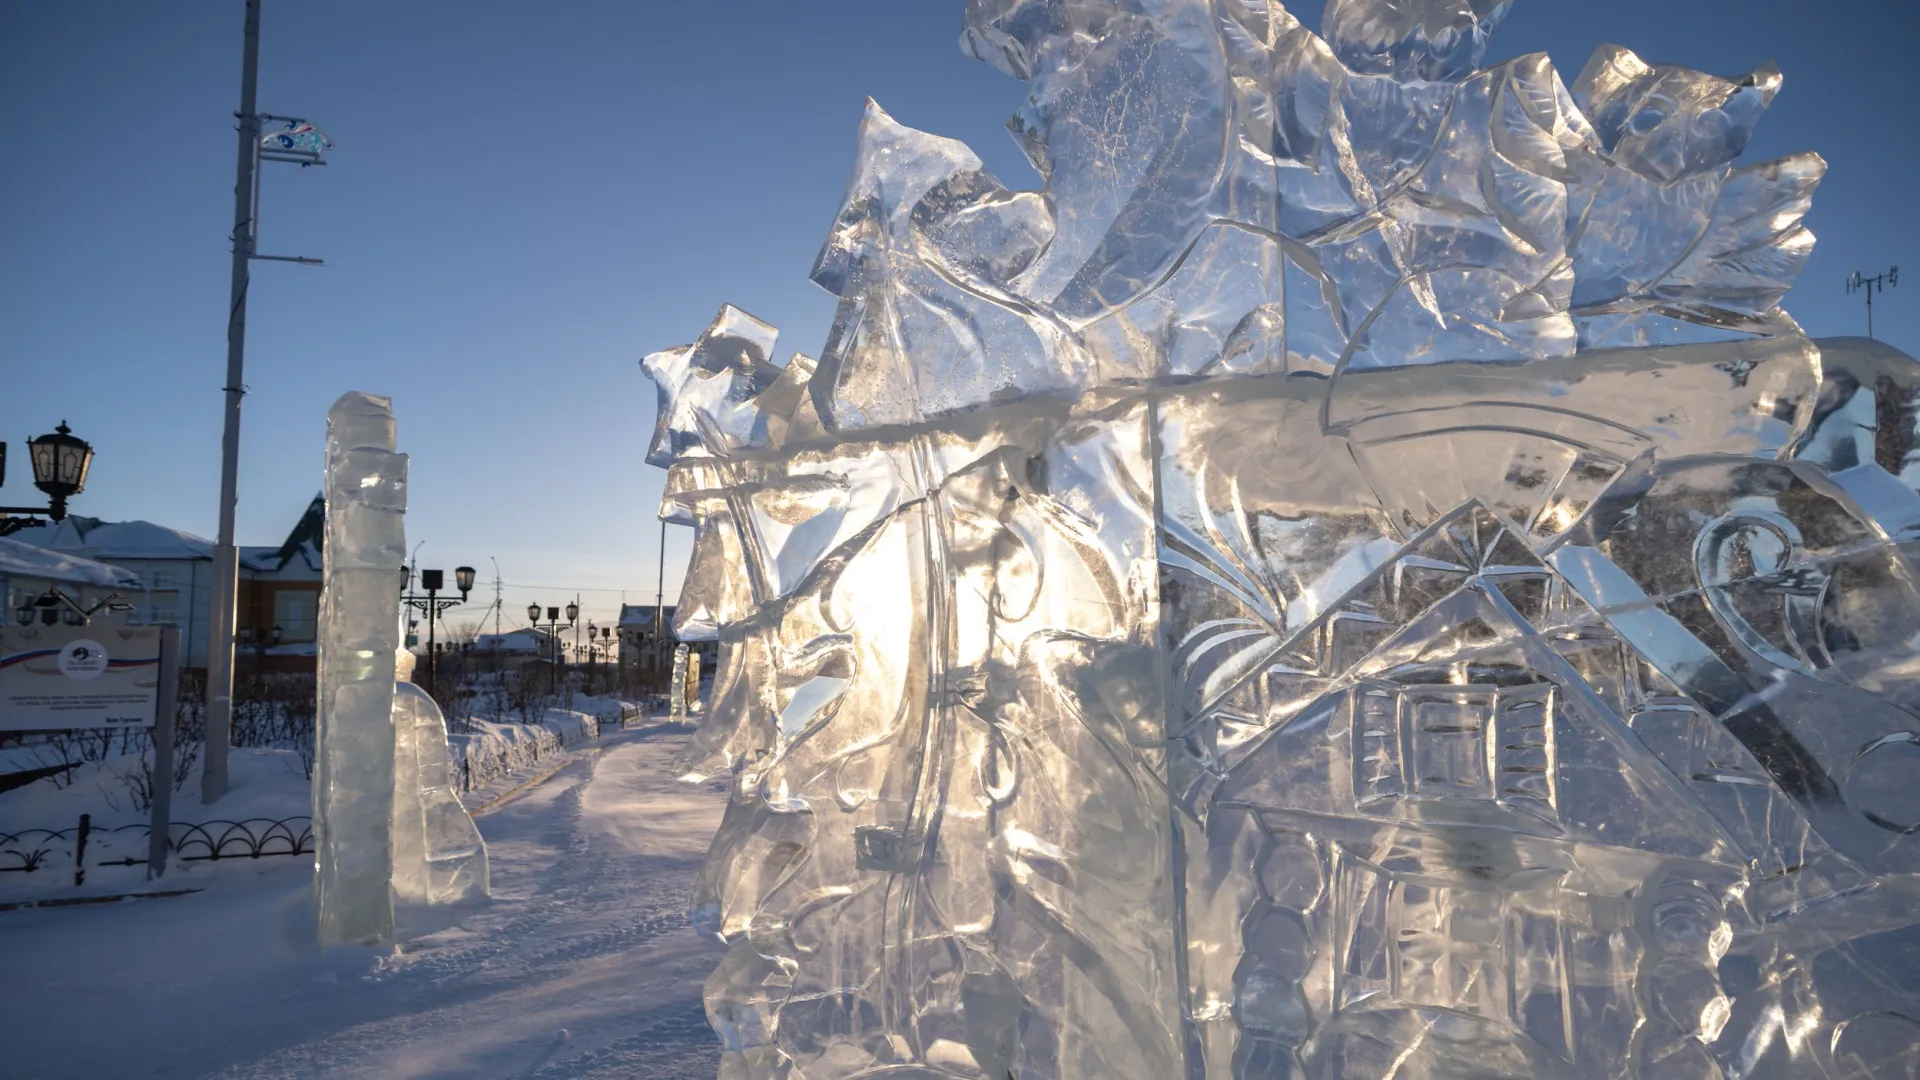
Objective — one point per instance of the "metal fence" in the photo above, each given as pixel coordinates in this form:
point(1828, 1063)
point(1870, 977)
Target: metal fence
point(84, 846)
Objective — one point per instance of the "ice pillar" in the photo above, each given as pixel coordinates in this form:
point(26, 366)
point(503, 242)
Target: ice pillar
point(677, 688)
point(691, 686)
point(366, 493)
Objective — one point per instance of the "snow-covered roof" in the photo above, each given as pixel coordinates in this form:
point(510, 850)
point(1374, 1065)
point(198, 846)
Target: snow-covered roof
point(96, 539)
point(304, 542)
point(25, 560)
point(515, 641)
point(641, 615)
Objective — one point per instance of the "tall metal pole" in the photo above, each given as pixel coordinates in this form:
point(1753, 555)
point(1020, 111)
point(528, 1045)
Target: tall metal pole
point(226, 557)
point(433, 657)
point(659, 603)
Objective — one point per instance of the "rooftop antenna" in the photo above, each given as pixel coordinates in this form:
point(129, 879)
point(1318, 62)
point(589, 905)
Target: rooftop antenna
point(1877, 283)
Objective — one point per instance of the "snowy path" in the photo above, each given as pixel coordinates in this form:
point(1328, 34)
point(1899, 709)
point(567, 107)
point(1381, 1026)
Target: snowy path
point(582, 967)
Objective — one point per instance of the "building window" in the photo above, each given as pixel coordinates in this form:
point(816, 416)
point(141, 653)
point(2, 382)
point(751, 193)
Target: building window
point(295, 615)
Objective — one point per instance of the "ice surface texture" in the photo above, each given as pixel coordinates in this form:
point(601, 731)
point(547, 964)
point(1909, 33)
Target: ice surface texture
point(438, 855)
point(387, 823)
point(366, 492)
point(1358, 579)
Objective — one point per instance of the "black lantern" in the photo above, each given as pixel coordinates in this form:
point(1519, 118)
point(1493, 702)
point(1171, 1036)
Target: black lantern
point(533, 613)
point(573, 614)
point(60, 464)
point(553, 614)
point(277, 634)
point(463, 577)
point(433, 580)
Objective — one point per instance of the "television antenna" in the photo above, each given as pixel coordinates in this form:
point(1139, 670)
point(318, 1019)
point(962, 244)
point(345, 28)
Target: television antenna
point(1877, 283)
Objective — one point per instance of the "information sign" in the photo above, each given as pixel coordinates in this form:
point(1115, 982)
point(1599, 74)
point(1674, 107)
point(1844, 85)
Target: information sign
point(65, 677)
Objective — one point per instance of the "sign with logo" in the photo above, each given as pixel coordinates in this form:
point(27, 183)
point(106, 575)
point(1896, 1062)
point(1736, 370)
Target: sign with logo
point(61, 677)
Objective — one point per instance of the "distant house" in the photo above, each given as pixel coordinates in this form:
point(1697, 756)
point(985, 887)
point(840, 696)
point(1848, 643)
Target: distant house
point(280, 591)
point(279, 586)
point(27, 572)
point(643, 644)
point(511, 650)
point(175, 567)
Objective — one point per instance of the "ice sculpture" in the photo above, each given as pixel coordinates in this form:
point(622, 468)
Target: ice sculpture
point(387, 824)
point(439, 857)
point(691, 698)
point(677, 694)
point(353, 769)
point(1359, 578)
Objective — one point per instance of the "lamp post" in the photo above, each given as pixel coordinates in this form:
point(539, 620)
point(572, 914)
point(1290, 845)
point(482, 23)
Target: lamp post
point(60, 463)
point(55, 606)
point(300, 144)
point(431, 606)
point(553, 628)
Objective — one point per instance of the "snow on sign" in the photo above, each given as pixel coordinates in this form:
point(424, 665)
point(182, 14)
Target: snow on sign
point(60, 677)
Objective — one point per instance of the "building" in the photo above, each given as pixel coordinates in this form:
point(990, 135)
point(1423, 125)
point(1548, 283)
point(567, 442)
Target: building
point(28, 572)
point(279, 586)
point(644, 650)
point(279, 598)
point(511, 650)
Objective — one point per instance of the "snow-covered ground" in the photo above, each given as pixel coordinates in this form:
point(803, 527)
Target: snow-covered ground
point(581, 966)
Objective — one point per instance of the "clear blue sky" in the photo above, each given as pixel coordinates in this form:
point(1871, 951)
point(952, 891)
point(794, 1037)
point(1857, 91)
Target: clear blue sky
point(525, 198)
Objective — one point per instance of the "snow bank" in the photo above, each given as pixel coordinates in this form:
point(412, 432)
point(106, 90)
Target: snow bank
point(269, 784)
point(491, 750)
point(266, 812)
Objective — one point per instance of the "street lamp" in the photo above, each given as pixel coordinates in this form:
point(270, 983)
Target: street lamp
point(54, 606)
point(431, 606)
point(60, 464)
point(553, 628)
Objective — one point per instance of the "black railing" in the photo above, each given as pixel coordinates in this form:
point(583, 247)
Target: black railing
point(84, 845)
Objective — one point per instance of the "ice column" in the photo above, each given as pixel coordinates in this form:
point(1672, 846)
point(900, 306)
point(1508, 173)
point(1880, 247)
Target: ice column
point(692, 685)
point(366, 493)
point(677, 689)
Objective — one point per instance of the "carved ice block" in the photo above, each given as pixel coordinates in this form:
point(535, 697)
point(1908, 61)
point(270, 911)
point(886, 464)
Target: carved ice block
point(439, 857)
point(366, 496)
point(1360, 578)
point(388, 822)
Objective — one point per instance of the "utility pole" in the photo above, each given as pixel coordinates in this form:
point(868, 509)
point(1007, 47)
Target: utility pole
point(226, 557)
point(496, 612)
point(301, 144)
point(1877, 283)
point(659, 602)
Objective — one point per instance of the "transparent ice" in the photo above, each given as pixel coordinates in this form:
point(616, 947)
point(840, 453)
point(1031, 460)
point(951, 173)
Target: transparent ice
point(439, 857)
point(1357, 579)
point(387, 823)
point(677, 692)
